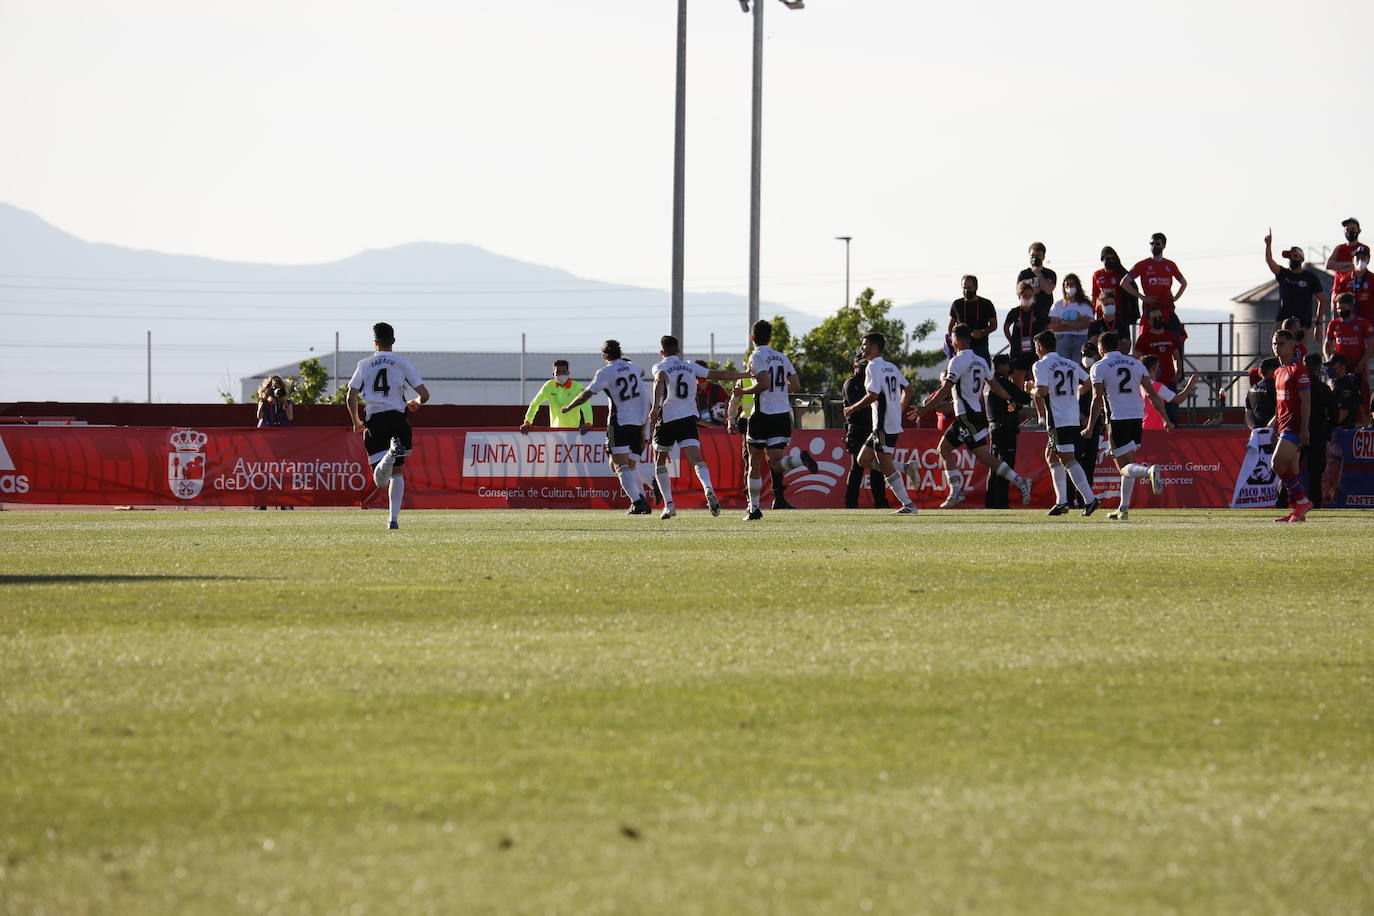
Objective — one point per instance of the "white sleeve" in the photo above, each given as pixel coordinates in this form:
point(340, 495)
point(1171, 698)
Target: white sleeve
point(413, 376)
point(869, 383)
point(1094, 375)
point(356, 381)
point(791, 369)
point(699, 370)
point(1037, 373)
point(598, 381)
point(1167, 394)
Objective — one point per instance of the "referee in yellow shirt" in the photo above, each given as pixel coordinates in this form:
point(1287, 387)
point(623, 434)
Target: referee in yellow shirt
point(558, 391)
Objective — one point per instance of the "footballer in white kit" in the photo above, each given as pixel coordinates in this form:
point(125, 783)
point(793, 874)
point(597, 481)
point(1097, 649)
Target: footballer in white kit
point(627, 394)
point(381, 379)
point(965, 379)
point(1121, 383)
point(770, 427)
point(889, 392)
point(1057, 383)
point(674, 415)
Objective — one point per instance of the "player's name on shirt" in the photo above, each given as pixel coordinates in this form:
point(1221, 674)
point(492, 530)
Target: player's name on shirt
point(968, 372)
point(382, 379)
point(680, 382)
point(1121, 377)
point(779, 368)
point(622, 381)
point(885, 380)
point(1062, 377)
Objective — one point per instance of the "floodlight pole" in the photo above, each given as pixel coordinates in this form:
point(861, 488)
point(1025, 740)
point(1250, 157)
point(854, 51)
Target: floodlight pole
point(756, 155)
point(150, 367)
point(679, 174)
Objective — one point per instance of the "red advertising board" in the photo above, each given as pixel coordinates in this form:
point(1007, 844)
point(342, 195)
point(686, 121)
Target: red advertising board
point(500, 468)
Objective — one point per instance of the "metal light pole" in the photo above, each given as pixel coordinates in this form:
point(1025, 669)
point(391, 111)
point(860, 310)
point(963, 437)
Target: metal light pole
point(846, 239)
point(679, 174)
point(756, 154)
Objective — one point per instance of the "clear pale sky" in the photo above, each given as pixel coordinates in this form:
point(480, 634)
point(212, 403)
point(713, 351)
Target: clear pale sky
point(943, 137)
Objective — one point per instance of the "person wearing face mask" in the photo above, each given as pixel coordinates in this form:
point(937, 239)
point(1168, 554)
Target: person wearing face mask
point(1342, 259)
point(1358, 283)
point(1109, 319)
point(558, 391)
point(1298, 287)
point(1041, 278)
point(1022, 324)
point(1351, 337)
point(1108, 280)
point(1159, 341)
point(1070, 317)
point(1156, 275)
point(976, 312)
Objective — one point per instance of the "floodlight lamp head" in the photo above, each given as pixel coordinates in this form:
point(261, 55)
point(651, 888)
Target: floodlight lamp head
point(793, 4)
point(744, 5)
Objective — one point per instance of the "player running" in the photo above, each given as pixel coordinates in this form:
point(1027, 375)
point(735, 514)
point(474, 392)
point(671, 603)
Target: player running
point(1293, 386)
point(770, 427)
point(1057, 384)
point(965, 378)
point(1119, 381)
point(620, 379)
point(382, 378)
point(674, 416)
point(888, 391)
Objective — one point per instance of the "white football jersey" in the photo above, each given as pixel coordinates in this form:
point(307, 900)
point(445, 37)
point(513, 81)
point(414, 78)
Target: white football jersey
point(680, 378)
point(1121, 377)
point(382, 378)
point(885, 380)
point(779, 368)
point(969, 372)
point(1062, 377)
point(623, 383)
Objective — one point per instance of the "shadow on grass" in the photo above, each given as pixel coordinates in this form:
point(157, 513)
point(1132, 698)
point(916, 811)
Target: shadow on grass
point(59, 578)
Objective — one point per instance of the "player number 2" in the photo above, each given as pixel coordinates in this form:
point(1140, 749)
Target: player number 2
point(1125, 375)
point(1061, 383)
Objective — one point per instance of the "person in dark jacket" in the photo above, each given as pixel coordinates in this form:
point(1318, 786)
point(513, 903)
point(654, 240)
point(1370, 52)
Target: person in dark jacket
point(1321, 417)
point(1261, 402)
point(1004, 424)
point(857, 428)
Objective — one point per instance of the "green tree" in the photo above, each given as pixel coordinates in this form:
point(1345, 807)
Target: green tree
point(311, 383)
point(825, 354)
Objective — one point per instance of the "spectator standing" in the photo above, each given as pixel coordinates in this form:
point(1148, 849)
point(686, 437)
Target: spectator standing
point(858, 426)
point(1004, 425)
point(1351, 337)
point(1298, 286)
point(1169, 396)
point(556, 392)
point(976, 312)
point(1156, 275)
point(1157, 339)
point(1042, 279)
point(1109, 279)
point(1359, 282)
point(1260, 402)
point(1345, 396)
point(1070, 317)
point(1342, 260)
point(1022, 324)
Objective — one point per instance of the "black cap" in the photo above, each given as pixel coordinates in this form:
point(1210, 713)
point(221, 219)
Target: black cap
point(1361, 250)
point(1347, 222)
point(1338, 359)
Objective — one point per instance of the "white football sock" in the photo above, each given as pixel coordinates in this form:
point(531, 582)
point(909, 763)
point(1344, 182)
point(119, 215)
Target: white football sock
point(898, 486)
point(1136, 470)
point(1061, 484)
point(1127, 485)
point(755, 489)
point(633, 486)
point(703, 475)
point(955, 481)
point(1080, 480)
point(788, 462)
point(665, 484)
point(1005, 472)
point(395, 491)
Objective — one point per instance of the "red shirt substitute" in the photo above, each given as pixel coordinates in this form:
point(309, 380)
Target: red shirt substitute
point(1362, 286)
point(1289, 383)
point(1165, 344)
point(1348, 336)
point(1156, 282)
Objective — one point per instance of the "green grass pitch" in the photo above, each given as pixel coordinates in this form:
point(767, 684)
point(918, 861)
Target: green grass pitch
point(578, 712)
